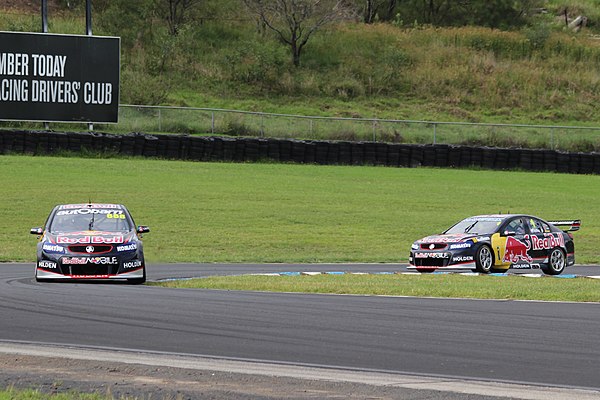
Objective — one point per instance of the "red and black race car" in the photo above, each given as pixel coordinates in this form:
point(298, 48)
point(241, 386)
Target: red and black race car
point(495, 243)
point(90, 241)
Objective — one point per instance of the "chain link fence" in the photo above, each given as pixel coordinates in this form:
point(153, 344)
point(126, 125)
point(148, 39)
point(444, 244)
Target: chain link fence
point(222, 122)
point(207, 121)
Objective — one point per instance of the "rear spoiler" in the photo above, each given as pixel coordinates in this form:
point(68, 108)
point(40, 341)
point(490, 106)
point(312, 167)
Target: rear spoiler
point(573, 225)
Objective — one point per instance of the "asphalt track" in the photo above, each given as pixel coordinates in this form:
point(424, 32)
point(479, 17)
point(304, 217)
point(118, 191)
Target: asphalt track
point(539, 343)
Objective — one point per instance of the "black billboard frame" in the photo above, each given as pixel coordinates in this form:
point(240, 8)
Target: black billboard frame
point(86, 113)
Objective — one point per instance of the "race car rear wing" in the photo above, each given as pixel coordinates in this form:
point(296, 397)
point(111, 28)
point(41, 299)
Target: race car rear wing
point(573, 225)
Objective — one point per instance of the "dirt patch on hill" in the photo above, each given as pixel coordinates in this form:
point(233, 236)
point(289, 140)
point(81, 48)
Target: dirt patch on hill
point(29, 6)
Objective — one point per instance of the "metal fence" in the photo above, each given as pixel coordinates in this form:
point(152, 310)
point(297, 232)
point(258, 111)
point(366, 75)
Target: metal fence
point(210, 121)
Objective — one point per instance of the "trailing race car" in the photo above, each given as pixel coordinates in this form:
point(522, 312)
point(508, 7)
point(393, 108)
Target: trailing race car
point(90, 241)
point(495, 243)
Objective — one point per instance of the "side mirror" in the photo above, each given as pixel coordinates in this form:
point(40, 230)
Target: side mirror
point(36, 231)
point(143, 229)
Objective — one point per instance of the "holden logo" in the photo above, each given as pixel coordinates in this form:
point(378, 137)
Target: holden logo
point(431, 246)
point(89, 249)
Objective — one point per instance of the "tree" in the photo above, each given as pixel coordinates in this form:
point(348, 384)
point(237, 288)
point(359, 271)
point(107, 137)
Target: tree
point(295, 21)
point(175, 12)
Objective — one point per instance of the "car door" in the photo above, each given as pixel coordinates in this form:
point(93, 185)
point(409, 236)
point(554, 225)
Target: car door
point(542, 239)
point(517, 242)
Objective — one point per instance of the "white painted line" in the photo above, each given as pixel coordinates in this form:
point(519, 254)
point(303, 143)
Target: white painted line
point(311, 273)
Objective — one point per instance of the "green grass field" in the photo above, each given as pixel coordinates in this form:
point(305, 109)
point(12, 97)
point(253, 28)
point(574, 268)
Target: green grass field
point(482, 287)
point(227, 212)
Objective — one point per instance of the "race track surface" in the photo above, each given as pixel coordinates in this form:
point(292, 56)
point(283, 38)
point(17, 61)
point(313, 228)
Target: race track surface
point(542, 343)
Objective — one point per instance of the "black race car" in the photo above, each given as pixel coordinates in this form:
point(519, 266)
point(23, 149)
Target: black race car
point(90, 241)
point(495, 243)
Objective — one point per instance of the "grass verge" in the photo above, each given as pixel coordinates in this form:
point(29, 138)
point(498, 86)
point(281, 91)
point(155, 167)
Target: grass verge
point(31, 394)
point(481, 287)
point(227, 212)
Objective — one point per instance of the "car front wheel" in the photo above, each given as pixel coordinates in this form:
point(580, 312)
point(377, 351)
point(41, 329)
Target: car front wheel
point(556, 262)
point(484, 260)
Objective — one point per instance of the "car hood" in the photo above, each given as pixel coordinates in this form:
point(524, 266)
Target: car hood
point(90, 237)
point(447, 238)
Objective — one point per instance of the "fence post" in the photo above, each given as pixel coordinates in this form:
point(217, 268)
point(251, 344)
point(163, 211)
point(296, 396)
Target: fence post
point(434, 132)
point(374, 134)
point(212, 122)
point(262, 125)
point(159, 120)
point(311, 128)
point(552, 138)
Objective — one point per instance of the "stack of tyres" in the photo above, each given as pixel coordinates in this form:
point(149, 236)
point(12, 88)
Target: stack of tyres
point(370, 153)
point(488, 158)
point(298, 150)
point(310, 152)
point(285, 150)
point(393, 158)
point(273, 149)
point(586, 163)
point(322, 153)
point(442, 155)
point(562, 161)
point(525, 159)
point(357, 153)
point(477, 156)
point(251, 150)
point(381, 153)
point(574, 159)
point(549, 160)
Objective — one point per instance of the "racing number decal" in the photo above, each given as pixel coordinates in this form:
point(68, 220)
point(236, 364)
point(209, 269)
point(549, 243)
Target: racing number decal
point(115, 216)
point(499, 246)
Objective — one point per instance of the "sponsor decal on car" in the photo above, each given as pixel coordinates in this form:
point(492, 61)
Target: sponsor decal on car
point(127, 247)
point(89, 239)
point(549, 241)
point(456, 246)
point(47, 264)
point(462, 258)
point(132, 264)
point(432, 255)
point(53, 248)
point(86, 211)
point(516, 251)
point(89, 260)
point(93, 205)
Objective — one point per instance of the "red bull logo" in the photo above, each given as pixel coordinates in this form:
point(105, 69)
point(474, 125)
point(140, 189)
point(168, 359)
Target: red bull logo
point(549, 241)
point(516, 251)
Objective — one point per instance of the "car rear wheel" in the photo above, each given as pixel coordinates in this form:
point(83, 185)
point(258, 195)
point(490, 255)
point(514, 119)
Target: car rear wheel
point(556, 262)
point(426, 270)
point(484, 260)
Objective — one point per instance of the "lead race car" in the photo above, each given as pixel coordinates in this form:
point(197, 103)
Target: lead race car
point(496, 243)
point(90, 241)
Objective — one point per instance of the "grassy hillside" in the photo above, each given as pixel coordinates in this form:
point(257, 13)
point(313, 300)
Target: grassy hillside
point(538, 74)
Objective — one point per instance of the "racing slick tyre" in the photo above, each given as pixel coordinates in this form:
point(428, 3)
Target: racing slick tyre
point(556, 262)
point(484, 260)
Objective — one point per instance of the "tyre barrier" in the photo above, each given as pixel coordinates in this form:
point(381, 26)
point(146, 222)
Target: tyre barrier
point(215, 148)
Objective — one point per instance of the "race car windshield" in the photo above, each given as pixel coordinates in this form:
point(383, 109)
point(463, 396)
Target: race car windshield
point(90, 220)
point(476, 226)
